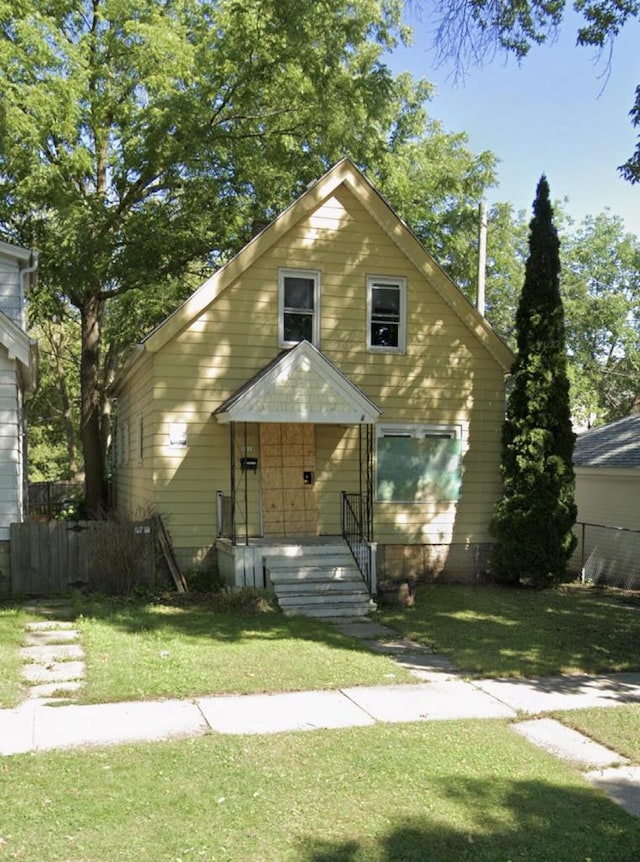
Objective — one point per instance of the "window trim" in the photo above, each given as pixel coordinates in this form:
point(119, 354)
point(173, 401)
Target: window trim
point(289, 272)
point(450, 431)
point(392, 281)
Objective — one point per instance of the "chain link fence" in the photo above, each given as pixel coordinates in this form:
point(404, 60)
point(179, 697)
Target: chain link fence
point(608, 556)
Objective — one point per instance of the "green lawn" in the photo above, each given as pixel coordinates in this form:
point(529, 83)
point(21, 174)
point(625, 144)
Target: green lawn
point(435, 792)
point(182, 649)
point(12, 623)
point(616, 727)
point(489, 631)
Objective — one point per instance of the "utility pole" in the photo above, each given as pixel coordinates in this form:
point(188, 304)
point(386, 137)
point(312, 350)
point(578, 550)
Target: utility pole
point(482, 256)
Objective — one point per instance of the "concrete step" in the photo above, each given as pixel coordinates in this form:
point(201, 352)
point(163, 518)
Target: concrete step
point(309, 574)
point(319, 598)
point(295, 588)
point(330, 610)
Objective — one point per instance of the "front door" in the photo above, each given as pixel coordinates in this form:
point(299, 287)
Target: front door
point(288, 466)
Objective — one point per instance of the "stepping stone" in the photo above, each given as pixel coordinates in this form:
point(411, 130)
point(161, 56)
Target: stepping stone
point(55, 672)
point(54, 690)
point(50, 636)
point(48, 625)
point(50, 653)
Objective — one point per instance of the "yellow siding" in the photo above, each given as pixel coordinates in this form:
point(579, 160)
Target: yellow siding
point(447, 376)
point(133, 480)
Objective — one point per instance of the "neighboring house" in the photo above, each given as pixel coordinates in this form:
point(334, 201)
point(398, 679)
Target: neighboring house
point(606, 461)
point(17, 382)
point(607, 467)
point(331, 355)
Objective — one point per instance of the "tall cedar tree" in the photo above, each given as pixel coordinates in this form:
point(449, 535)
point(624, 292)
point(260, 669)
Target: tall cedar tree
point(532, 522)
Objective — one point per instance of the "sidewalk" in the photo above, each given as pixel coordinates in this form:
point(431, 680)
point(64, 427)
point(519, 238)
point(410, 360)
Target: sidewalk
point(40, 724)
point(37, 726)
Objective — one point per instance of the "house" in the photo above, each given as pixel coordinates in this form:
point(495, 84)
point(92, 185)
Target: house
point(330, 380)
point(17, 382)
point(606, 461)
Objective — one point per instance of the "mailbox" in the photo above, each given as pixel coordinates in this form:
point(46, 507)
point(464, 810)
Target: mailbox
point(249, 464)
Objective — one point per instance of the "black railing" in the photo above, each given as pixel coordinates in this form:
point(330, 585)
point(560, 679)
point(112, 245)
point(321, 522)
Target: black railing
point(353, 532)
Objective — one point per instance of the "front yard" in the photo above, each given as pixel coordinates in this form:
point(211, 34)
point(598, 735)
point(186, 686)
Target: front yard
point(450, 791)
point(470, 791)
point(492, 631)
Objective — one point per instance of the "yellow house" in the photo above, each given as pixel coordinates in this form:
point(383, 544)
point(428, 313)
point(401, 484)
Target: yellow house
point(329, 383)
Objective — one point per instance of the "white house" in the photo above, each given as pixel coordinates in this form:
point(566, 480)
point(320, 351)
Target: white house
point(18, 363)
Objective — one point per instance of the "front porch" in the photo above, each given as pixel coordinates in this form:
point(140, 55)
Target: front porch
point(315, 576)
point(296, 429)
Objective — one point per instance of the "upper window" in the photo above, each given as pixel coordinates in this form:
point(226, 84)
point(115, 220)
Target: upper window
point(386, 314)
point(299, 291)
point(418, 463)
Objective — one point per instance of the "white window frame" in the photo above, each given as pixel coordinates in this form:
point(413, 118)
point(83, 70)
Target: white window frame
point(417, 431)
point(395, 281)
point(315, 323)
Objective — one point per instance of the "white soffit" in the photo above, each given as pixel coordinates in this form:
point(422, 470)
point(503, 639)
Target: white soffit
point(301, 385)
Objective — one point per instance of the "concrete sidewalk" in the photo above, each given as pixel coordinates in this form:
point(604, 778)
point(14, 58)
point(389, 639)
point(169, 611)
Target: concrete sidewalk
point(37, 726)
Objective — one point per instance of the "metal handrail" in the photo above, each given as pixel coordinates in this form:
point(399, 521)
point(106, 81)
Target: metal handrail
point(354, 534)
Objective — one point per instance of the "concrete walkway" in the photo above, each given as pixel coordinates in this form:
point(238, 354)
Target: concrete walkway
point(39, 724)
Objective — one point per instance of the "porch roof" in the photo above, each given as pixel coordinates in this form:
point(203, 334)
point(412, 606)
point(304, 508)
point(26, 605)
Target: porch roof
point(299, 385)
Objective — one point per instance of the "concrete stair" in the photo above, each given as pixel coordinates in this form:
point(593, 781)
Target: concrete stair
point(318, 581)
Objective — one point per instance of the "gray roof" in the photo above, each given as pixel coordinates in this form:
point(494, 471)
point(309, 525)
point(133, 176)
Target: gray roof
point(614, 445)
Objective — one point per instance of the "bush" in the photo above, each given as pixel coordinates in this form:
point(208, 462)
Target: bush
point(245, 600)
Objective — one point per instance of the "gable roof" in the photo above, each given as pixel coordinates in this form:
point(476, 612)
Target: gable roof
point(299, 385)
point(614, 445)
point(345, 173)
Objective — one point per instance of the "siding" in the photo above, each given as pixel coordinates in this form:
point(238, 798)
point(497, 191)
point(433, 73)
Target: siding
point(10, 447)
point(609, 496)
point(11, 300)
point(447, 376)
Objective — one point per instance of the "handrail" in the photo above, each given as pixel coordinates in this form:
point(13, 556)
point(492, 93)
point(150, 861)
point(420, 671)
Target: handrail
point(354, 534)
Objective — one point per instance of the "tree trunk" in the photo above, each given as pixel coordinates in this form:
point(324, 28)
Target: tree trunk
point(90, 411)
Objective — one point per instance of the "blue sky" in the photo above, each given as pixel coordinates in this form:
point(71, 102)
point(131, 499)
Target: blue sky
point(556, 113)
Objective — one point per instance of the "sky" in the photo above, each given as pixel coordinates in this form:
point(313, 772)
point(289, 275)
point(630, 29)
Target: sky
point(560, 112)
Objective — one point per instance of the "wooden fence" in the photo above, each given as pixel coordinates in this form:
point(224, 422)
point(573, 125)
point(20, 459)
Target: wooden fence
point(57, 556)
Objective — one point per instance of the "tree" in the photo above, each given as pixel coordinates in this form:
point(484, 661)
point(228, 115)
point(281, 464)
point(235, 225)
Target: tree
point(140, 137)
point(601, 291)
point(533, 520)
point(473, 31)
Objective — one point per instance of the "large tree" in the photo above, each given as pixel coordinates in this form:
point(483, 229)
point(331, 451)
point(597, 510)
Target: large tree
point(139, 138)
point(533, 520)
point(472, 31)
point(601, 291)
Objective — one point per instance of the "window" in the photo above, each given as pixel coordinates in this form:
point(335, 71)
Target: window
point(139, 439)
point(298, 305)
point(418, 463)
point(386, 314)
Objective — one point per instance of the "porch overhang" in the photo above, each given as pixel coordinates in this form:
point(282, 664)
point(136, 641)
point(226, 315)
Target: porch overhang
point(299, 385)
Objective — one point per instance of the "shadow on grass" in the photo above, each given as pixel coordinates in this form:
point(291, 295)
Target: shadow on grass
point(530, 821)
point(193, 618)
point(497, 631)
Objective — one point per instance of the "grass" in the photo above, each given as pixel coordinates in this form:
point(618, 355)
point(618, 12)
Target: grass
point(12, 623)
point(489, 631)
point(441, 791)
point(614, 727)
point(185, 648)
